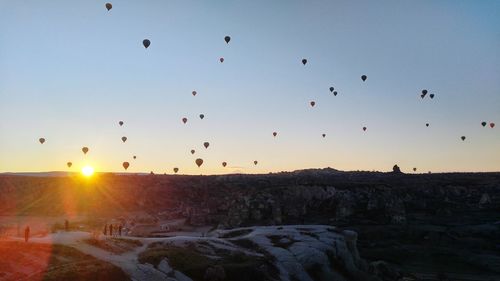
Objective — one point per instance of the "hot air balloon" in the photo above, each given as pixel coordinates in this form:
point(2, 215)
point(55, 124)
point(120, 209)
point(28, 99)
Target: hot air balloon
point(199, 162)
point(414, 169)
point(364, 128)
point(206, 144)
point(424, 92)
point(69, 164)
point(323, 135)
point(184, 120)
point(492, 125)
point(363, 77)
point(135, 157)
point(427, 124)
point(124, 139)
point(312, 103)
point(275, 134)
point(335, 93)
point(483, 123)
point(192, 151)
point(194, 93)
point(120, 123)
point(109, 6)
point(221, 60)
point(176, 170)
point(463, 138)
point(227, 39)
point(85, 150)
point(331, 89)
point(146, 43)
point(304, 61)
point(431, 96)
point(126, 165)
point(202, 116)
point(224, 164)
point(255, 162)
point(41, 140)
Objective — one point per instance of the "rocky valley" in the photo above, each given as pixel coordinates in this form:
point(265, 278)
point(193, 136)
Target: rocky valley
point(406, 226)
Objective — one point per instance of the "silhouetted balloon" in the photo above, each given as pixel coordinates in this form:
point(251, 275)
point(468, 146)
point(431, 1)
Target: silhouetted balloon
point(126, 165)
point(199, 162)
point(184, 120)
point(227, 39)
point(85, 150)
point(255, 162)
point(275, 134)
point(194, 93)
point(206, 144)
point(323, 135)
point(221, 60)
point(363, 77)
point(431, 96)
point(109, 6)
point(224, 164)
point(312, 103)
point(427, 124)
point(176, 170)
point(202, 116)
point(483, 123)
point(463, 138)
point(120, 123)
point(192, 151)
point(41, 140)
point(124, 139)
point(414, 169)
point(364, 128)
point(69, 164)
point(424, 92)
point(146, 43)
point(135, 157)
point(492, 125)
point(335, 93)
point(331, 89)
point(304, 61)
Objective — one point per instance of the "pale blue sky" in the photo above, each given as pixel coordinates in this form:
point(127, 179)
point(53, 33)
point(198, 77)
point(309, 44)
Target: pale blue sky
point(70, 70)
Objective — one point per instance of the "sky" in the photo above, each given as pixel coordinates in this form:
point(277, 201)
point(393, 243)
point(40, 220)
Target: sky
point(71, 70)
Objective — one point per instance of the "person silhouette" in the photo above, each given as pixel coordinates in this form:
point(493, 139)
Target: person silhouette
point(26, 233)
point(105, 229)
point(120, 230)
point(111, 230)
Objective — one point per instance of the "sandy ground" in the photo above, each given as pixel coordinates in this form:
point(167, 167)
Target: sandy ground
point(127, 261)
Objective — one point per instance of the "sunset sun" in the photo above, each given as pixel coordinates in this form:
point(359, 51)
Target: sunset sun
point(87, 171)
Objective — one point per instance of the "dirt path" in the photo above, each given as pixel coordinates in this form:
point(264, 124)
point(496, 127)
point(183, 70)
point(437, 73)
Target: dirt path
point(127, 261)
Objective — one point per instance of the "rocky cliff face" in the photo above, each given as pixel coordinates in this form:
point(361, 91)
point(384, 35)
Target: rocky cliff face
point(310, 196)
point(416, 226)
point(287, 253)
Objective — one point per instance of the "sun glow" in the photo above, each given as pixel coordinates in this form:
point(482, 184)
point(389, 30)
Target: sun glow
point(87, 171)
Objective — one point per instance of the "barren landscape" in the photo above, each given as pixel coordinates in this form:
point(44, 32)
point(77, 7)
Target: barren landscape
point(387, 226)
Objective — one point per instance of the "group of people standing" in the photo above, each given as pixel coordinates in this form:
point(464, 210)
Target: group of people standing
point(108, 229)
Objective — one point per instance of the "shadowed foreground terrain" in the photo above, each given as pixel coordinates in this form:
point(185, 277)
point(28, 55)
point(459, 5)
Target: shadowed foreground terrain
point(416, 226)
point(28, 261)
